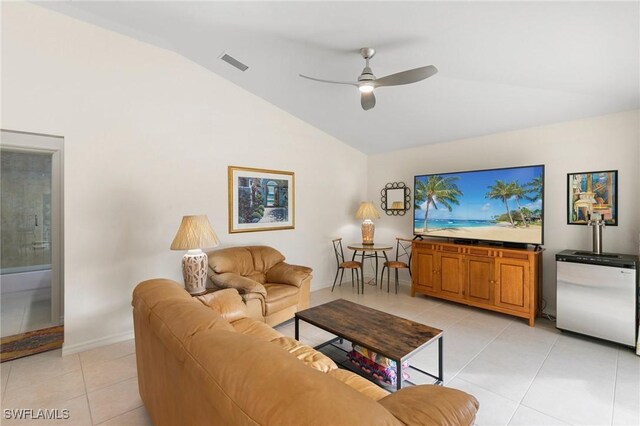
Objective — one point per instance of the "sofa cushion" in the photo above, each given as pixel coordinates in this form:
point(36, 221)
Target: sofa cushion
point(446, 406)
point(256, 329)
point(279, 297)
point(305, 353)
point(359, 383)
point(256, 383)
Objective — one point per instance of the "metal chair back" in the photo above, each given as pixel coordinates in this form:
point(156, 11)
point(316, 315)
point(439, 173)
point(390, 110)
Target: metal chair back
point(337, 248)
point(403, 249)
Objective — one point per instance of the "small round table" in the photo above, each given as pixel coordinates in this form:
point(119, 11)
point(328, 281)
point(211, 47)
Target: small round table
point(367, 251)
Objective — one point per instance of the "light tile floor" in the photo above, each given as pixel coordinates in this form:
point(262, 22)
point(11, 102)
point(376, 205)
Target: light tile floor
point(520, 375)
point(23, 311)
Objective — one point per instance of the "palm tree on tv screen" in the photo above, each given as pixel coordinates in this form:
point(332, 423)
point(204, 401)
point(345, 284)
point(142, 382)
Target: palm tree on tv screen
point(501, 191)
point(535, 188)
point(437, 190)
point(519, 192)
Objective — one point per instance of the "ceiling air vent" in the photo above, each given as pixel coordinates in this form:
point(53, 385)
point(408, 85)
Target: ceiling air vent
point(233, 62)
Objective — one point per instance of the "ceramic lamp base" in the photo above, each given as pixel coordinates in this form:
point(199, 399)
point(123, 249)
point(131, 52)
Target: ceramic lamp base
point(194, 271)
point(368, 229)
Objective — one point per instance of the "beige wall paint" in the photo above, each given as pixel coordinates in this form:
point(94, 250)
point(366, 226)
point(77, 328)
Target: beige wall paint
point(600, 143)
point(148, 137)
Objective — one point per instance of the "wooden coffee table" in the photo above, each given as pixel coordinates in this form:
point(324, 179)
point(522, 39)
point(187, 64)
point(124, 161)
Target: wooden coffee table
point(388, 335)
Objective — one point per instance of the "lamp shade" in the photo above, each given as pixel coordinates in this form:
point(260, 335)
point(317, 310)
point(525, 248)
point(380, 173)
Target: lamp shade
point(367, 211)
point(397, 205)
point(195, 232)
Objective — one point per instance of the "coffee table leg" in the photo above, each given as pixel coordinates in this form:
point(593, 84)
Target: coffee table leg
point(376, 278)
point(297, 328)
point(398, 374)
point(440, 360)
point(362, 271)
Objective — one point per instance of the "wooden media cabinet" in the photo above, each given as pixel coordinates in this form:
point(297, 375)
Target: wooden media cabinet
point(506, 280)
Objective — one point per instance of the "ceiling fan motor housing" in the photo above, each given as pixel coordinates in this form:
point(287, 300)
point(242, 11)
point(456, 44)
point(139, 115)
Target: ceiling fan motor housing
point(367, 75)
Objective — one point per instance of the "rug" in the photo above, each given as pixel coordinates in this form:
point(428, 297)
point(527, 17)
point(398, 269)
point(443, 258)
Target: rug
point(30, 343)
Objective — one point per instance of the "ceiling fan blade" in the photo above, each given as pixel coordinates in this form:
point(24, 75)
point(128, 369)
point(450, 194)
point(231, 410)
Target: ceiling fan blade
point(406, 77)
point(367, 100)
point(329, 81)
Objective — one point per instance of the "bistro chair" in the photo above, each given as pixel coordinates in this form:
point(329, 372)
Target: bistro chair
point(403, 251)
point(342, 264)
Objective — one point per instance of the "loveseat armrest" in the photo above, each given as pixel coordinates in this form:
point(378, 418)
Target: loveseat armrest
point(432, 405)
point(283, 273)
point(242, 284)
point(228, 303)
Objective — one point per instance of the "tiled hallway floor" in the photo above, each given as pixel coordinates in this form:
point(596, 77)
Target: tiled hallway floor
point(24, 311)
point(520, 375)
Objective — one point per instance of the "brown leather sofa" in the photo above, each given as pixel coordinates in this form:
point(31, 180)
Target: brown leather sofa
point(272, 289)
point(202, 361)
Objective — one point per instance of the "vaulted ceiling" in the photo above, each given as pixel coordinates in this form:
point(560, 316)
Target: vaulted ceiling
point(502, 65)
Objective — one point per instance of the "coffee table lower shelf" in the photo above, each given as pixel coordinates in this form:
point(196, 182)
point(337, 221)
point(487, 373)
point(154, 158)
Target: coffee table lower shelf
point(347, 365)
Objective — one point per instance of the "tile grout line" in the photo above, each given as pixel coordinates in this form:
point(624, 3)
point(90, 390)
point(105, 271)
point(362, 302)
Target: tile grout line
point(4, 389)
point(86, 391)
point(538, 411)
point(534, 379)
point(615, 386)
point(539, 368)
point(479, 352)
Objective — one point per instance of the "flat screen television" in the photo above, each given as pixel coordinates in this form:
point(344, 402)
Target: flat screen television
point(502, 205)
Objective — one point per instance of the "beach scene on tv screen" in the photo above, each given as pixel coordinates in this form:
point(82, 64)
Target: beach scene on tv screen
point(493, 205)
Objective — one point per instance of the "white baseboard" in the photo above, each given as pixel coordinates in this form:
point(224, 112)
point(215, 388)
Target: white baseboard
point(96, 343)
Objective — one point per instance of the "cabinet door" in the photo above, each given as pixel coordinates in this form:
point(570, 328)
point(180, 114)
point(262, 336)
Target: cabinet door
point(479, 278)
point(450, 274)
point(424, 274)
point(512, 284)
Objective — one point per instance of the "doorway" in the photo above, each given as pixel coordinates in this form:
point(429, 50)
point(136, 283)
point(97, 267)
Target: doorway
point(31, 287)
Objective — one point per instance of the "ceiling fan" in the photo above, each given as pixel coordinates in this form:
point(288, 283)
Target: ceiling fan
point(367, 82)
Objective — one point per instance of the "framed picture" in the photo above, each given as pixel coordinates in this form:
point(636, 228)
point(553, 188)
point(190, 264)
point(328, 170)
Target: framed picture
point(592, 195)
point(260, 200)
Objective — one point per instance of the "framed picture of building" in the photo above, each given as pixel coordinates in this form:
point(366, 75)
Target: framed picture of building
point(592, 195)
point(260, 199)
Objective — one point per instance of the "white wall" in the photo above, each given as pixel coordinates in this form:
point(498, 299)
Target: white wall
point(600, 143)
point(148, 136)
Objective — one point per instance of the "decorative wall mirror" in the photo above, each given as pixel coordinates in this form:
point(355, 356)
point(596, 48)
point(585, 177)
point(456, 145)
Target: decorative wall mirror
point(395, 199)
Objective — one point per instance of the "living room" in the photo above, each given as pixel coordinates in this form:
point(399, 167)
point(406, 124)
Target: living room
point(151, 125)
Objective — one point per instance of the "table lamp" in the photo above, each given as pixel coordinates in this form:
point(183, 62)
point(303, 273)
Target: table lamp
point(195, 233)
point(367, 211)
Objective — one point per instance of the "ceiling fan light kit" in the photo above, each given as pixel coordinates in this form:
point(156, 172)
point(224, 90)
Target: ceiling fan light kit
point(367, 82)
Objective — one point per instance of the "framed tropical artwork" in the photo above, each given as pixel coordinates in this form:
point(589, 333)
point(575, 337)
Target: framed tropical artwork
point(260, 199)
point(592, 195)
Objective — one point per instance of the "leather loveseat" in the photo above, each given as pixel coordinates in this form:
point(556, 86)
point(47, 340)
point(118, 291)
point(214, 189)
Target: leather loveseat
point(202, 361)
point(272, 289)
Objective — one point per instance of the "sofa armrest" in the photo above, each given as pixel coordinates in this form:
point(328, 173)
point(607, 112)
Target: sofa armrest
point(431, 405)
point(283, 273)
point(242, 284)
point(227, 303)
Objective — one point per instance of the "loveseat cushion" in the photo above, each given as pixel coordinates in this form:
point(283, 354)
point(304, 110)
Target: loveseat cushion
point(305, 353)
point(279, 297)
point(244, 285)
point(288, 274)
point(244, 261)
point(228, 303)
